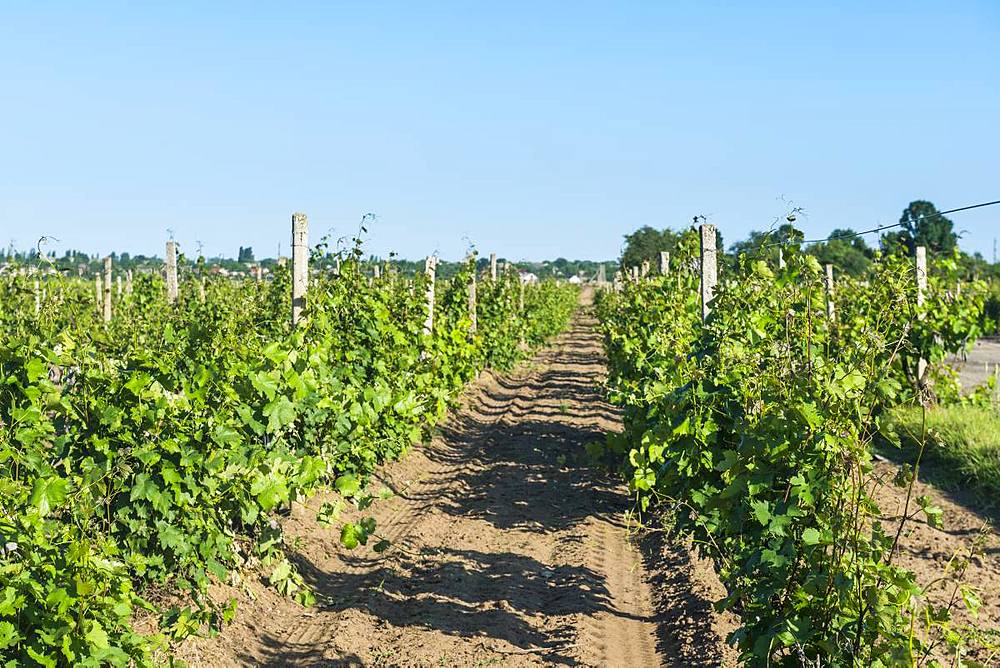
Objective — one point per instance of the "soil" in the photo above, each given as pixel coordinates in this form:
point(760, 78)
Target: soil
point(976, 366)
point(968, 534)
point(508, 549)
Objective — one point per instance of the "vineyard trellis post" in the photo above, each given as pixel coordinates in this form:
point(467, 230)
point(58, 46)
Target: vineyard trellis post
point(118, 286)
point(828, 285)
point(709, 267)
point(171, 266)
point(664, 263)
point(98, 293)
point(377, 271)
point(128, 282)
point(781, 258)
point(920, 266)
point(472, 294)
point(493, 266)
point(430, 268)
point(107, 289)
point(300, 264)
point(38, 296)
point(644, 269)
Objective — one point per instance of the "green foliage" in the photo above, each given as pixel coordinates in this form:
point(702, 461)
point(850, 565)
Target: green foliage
point(947, 322)
point(991, 309)
point(922, 226)
point(158, 448)
point(786, 235)
point(848, 253)
point(752, 433)
point(646, 243)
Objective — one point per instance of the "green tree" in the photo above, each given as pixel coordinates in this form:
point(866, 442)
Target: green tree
point(922, 225)
point(846, 252)
point(786, 235)
point(645, 244)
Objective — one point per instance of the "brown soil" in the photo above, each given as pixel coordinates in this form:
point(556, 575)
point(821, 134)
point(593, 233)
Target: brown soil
point(978, 365)
point(927, 551)
point(508, 550)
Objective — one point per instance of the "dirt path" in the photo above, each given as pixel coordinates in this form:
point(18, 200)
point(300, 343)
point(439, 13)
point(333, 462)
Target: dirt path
point(979, 364)
point(508, 551)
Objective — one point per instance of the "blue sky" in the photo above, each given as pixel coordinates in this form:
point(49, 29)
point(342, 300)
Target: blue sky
point(535, 130)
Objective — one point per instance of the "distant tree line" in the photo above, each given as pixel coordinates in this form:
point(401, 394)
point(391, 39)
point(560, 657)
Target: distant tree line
point(73, 261)
point(919, 225)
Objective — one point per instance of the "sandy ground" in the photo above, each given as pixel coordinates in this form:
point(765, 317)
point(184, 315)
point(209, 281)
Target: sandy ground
point(927, 551)
point(975, 366)
point(508, 550)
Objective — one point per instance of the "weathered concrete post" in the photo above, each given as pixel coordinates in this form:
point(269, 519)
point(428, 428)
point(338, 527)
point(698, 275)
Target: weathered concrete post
point(38, 296)
point(493, 266)
point(828, 284)
point(99, 294)
point(709, 267)
point(921, 278)
point(781, 258)
point(473, 317)
point(430, 268)
point(171, 265)
point(107, 289)
point(300, 264)
point(664, 263)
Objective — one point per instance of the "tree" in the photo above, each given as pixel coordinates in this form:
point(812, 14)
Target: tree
point(245, 255)
point(845, 251)
point(922, 225)
point(785, 235)
point(646, 243)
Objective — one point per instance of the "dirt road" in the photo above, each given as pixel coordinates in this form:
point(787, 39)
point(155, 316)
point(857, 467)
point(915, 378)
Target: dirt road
point(508, 550)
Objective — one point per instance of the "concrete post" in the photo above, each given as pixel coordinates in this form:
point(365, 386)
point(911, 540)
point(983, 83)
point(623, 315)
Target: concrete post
point(300, 264)
point(709, 267)
point(171, 267)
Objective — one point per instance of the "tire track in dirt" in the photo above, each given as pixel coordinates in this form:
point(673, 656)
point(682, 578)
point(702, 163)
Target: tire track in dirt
point(508, 549)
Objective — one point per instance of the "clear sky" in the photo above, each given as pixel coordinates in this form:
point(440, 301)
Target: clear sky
point(532, 129)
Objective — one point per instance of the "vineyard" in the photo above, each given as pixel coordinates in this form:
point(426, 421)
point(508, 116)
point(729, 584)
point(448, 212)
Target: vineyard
point(751, 411)
point(343, 463)
point(150, 446)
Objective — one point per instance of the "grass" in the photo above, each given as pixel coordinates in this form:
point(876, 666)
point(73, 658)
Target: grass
point(963, 447)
